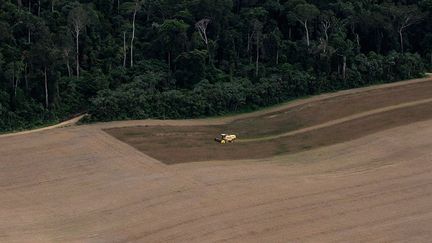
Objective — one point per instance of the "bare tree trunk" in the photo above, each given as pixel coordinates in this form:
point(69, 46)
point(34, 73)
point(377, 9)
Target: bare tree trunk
point(358, 42)
point(307, 33)
point(13, 84)
point(19, 2)
point(29, 31)
point(133, 33)
point(13, 81)
point(326, 36)
point(248, 46)
point(26, 76)
point(52, 6)
point(277, 56)
point(16, 86)
point(401, 40)
point(290, 33)
point(39, 7)
point(202, 30)
point(77, 53)
point(68, 68)
point(57, 95)
point(46, 88)
point(68, 65)
point(257, 55)
point(344, 67)
point(124, 49)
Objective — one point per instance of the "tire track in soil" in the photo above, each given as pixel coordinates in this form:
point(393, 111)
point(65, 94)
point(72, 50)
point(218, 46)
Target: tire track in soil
point(339, 121)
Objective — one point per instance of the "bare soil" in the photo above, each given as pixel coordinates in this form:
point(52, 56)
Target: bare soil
point(80, 184)
point(180, 144)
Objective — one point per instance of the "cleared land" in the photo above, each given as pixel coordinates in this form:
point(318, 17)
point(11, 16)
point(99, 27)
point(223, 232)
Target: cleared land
point(81, 184)
point(268, 135)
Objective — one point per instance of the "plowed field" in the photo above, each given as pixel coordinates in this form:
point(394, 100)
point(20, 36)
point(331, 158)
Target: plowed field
point(354, 166)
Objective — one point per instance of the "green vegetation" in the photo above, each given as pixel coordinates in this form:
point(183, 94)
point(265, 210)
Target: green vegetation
point(163, 59)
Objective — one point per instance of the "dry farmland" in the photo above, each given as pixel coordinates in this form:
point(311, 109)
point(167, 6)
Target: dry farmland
point(353, 166)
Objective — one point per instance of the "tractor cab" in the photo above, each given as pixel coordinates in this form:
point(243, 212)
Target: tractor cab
point(226, 138)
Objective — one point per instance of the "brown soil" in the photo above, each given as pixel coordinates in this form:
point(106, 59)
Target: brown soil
point(79, 184)
point(321, 111)
point(179, 144)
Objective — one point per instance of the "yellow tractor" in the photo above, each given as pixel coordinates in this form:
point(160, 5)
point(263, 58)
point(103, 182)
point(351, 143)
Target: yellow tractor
point(226, 138)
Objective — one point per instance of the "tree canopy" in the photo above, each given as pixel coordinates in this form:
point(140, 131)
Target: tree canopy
point(135, 59)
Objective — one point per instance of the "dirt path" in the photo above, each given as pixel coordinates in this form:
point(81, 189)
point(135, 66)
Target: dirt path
point(67, 123)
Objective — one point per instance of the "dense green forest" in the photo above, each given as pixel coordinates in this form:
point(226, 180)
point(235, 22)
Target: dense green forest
point(137, 59)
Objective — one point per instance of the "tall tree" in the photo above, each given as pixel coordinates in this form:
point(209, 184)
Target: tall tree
point(13, 72)
point(254, 19)
point(173, 37)
point(137, 7)
point(245, 41)
point(404, 16)
point(201, 26)
point(258, 28)
point(124, 49)
point(78, 20)
point(44, 56)
point(304, 13)
point(274, 40)
point(65, 46)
